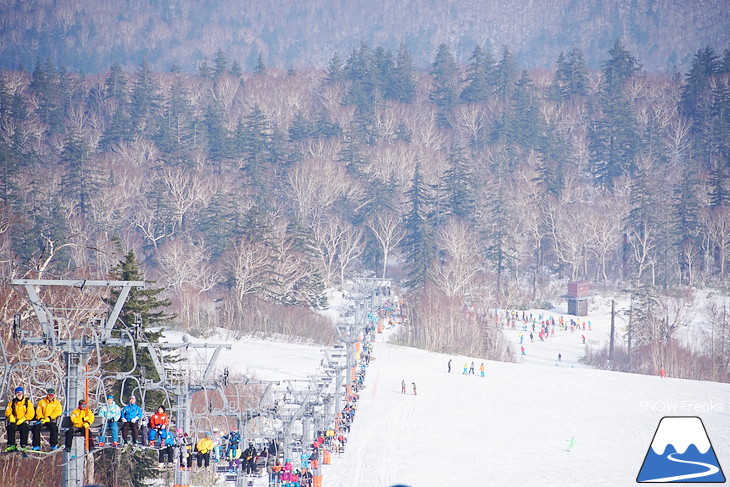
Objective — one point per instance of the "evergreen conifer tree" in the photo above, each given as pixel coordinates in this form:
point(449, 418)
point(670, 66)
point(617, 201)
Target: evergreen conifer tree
point(145, 307)
point(220, 63)
point(418, 245)
point(260, 68)
point(145, 99)
point(116, 83)
point(460, 185)
point(300, 127)
point(479, 74)
point(404, 83)
point(335, 70)
point(174, 136)
point(236, 69)
point(697, 98)
point(505, 74)
point(444, 93)
point(613, 133)
point(82, 179)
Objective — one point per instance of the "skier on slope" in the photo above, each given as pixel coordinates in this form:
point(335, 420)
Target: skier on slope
point(414, 388)
point(571, 444)
point(466, 367)
point(471, 367)
point(481, 369)
point(403, 386)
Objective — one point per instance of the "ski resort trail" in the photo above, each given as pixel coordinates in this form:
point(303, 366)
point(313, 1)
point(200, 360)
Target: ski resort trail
point(511, 427)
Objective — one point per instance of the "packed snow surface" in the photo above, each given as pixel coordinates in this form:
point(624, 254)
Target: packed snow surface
point(509, 428)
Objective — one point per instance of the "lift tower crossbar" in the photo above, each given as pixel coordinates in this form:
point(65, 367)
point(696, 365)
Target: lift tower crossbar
point(75, 351)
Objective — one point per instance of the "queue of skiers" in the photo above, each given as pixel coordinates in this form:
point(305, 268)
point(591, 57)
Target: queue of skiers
point(128, 426)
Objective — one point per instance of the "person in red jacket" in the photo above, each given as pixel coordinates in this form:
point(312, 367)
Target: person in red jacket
point(158, 425)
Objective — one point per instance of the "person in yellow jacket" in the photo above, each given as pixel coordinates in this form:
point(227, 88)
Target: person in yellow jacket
point(18, 413)
point(81, 420)
point(47, 412)
point(204, 447)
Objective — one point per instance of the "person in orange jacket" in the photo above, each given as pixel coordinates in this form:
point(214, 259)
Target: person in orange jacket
point(81, 420)
point(18, 413)
point(276, 472)
point(47, 412)
point(158, 422)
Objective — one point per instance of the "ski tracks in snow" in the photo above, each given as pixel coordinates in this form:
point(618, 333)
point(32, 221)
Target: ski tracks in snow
point(376, 452)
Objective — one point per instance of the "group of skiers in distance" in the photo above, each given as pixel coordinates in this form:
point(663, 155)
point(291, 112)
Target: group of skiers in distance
point(403, 387)
point(468, 368)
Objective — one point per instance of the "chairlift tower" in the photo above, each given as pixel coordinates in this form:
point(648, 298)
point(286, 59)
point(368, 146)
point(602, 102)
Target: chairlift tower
point(183, 387)
point(75, 352)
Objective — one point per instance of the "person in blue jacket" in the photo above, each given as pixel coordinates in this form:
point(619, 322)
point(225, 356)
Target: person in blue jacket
point(167, 450)
point(131, 415)
point(111, 413)
point(233, 452)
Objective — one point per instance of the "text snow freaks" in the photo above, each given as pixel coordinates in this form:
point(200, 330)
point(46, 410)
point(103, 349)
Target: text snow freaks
point(681, 407)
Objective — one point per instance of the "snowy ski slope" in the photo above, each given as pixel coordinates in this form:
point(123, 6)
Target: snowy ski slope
point(510, 428)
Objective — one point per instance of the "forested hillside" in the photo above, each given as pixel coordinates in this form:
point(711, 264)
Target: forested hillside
point(475, 184)
point(89, 35)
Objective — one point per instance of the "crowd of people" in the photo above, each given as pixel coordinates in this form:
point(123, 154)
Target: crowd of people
point(127, 425)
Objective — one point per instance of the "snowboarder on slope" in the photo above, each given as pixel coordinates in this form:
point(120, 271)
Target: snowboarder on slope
point(571, 444)
point(481, 369)
point(414, 388)
point(403, 386)
point(449, 366)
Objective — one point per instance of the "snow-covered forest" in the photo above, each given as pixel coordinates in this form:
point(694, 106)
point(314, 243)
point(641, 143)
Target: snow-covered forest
point(245, 195)
point(251, 162)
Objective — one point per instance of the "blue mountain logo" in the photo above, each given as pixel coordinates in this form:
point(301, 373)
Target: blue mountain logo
point(681, 452)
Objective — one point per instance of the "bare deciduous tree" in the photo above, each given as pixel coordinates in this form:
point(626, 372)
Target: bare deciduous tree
point(717, 221)
point(456, 272)
point(249, 264)
point(388, 231)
